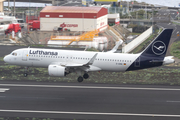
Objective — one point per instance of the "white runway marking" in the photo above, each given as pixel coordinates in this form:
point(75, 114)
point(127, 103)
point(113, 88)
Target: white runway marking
point(90, 113)
point(3, 89)
point(174, 101)
point(90, 87)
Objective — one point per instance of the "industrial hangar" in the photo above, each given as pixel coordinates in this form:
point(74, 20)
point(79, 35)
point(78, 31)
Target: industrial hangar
point(73, 18)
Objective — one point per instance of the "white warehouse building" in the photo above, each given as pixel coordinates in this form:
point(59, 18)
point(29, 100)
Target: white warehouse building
point(73, 18)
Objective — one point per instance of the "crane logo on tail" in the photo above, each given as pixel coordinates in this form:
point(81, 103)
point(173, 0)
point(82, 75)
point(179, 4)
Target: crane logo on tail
point(158, 47)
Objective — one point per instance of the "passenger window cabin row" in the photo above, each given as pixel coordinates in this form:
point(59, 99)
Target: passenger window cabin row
point(78, 58)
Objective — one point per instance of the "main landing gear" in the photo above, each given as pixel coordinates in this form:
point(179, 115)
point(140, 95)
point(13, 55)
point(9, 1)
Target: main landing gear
point(85, 76)
point(80, 79)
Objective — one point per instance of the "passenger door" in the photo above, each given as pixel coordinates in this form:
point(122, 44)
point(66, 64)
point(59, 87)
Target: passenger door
point(24, 55)
point(137, 62)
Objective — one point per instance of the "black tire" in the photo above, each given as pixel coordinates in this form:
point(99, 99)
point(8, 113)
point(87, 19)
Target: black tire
point(80, 79)
point(85, 76)
point(25, 74)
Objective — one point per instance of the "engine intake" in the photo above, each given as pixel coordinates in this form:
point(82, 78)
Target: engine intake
point(56, 70)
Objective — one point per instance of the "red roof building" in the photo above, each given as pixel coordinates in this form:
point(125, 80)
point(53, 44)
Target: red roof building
point(73, 18)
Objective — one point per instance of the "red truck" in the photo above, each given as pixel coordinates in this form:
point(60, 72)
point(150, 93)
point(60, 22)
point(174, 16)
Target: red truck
point(34, 25)
point(12, 27)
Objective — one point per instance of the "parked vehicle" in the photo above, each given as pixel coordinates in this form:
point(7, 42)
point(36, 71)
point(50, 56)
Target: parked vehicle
point(21, 22)
point(11, 27)
point(34, 25)
point(8, 28)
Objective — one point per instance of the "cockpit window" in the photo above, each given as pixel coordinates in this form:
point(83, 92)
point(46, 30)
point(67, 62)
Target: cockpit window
point(15, 54)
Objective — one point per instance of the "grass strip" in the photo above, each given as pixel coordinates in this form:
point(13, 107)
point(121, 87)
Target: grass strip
point(159, 76)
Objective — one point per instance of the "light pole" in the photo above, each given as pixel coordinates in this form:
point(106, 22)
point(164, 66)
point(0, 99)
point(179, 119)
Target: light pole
point(8, 6)
point(28, 17)
point(146, 11)
point(136, 15)
point(83, 21)
point(152, 19)
point(128, 7)
point(14, 7)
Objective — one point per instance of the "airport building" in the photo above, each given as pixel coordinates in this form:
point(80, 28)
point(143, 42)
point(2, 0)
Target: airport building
point(73, 18)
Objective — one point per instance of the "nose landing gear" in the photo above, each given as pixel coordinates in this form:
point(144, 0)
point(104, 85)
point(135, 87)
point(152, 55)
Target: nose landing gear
point(26, 72)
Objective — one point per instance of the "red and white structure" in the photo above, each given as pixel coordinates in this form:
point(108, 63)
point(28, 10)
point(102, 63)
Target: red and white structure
point(73, 18)
point(114, 18)
point(8, 28)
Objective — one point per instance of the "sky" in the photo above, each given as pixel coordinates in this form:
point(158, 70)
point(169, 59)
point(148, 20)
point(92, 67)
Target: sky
point(27, 4)
point(171, 3)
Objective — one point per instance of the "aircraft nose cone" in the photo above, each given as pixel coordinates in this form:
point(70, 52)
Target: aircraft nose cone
point(5, 59)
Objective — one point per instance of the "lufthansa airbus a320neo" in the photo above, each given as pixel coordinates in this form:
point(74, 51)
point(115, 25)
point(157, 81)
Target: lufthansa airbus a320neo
point(62, 62)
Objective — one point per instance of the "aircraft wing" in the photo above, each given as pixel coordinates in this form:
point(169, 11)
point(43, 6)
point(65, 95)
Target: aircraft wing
point(118, 43)
point(78, 64)
point(84, 66)
point(71, 65)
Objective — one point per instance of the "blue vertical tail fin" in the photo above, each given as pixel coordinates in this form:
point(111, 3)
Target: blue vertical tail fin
point(154, 53)
point(158, 47)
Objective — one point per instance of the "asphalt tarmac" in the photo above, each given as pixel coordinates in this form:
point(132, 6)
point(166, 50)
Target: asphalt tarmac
point(89, 101)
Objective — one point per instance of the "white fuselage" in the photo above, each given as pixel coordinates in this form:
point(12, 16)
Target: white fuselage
point(44, 57)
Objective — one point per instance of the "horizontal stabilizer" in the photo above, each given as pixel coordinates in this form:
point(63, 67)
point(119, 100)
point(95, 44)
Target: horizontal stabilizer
point(118, 43)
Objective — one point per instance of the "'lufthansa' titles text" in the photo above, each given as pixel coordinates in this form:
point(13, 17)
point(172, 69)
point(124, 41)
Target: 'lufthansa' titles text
point(40, 52)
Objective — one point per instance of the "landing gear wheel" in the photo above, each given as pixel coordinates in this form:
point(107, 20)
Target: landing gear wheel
point(25, 74)
point(85, 76)
point(80, 79)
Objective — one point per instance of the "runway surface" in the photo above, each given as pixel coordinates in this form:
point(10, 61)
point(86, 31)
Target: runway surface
point(89, 101)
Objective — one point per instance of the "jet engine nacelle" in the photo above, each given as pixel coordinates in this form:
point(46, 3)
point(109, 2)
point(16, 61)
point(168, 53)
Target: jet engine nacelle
point(56, 70)
point(168, 60)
